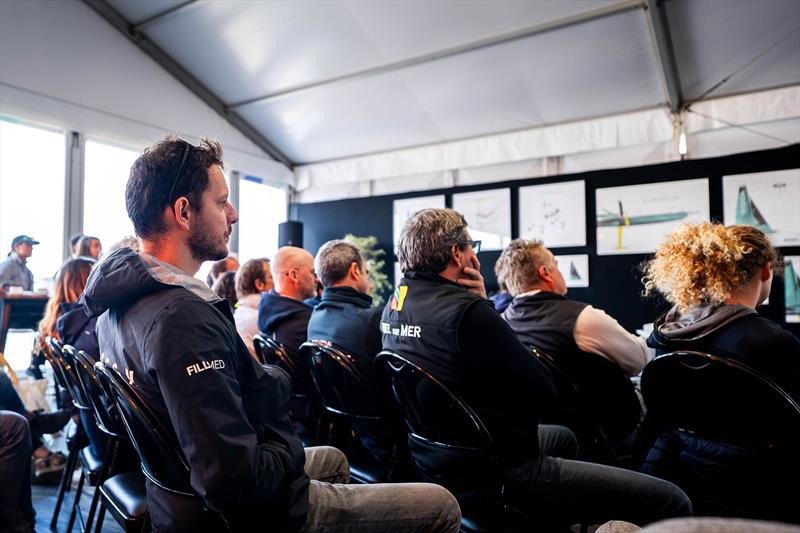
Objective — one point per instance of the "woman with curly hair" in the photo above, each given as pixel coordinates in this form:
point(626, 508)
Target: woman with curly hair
point(716, 276)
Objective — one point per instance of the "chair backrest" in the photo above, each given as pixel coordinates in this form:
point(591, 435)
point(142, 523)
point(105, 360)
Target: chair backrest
point(342, 388)
point(105, 412)
point(162, 461)
point(68, 364)
point(595, 394)
point(272, 352)
point(433, 413)
point(720, 399)
point(55, 356)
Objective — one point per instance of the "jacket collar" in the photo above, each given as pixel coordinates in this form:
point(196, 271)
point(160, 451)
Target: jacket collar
point(346, 295)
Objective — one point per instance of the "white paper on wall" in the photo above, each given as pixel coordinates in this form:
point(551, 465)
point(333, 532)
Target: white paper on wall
point(488, 215)
point(554, 213)
point(574, 269)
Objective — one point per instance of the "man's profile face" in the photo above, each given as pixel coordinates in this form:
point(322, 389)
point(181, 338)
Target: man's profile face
point(306, 278)
point(211, 229)
point(24, 250)
point(469, 253)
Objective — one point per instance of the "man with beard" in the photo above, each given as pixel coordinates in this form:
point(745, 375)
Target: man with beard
point(176, 343)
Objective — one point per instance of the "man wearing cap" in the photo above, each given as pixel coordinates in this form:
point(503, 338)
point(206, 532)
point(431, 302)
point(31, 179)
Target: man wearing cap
point(14, 271)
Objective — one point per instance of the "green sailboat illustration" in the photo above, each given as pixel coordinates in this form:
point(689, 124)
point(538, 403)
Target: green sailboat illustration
point(748, 213)
point(792, 285)
point(621, 220)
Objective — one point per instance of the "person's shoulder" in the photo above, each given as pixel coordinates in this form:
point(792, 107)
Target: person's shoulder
point(771, 329)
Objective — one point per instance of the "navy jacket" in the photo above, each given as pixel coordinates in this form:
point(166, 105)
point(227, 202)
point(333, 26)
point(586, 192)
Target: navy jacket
point(176, 343)
point(77, 329)
point(284, 317)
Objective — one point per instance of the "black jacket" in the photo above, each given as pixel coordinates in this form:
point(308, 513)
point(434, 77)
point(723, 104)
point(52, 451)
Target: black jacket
point(286, 318)
point(346, 317)
point(459, 338)
point(77, 329)
point(736, 332)
point(177, 344)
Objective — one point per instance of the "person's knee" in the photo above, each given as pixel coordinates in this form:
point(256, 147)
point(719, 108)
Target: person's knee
point(678, 503)
point(14, 429)
point(449, 511)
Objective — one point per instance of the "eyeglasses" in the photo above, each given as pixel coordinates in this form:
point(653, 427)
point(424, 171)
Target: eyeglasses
point(476, 245)
point(178, 173)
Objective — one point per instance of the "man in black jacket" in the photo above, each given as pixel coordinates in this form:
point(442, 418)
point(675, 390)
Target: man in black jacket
point(175, 342)
point(439, 318)
point(346, 318)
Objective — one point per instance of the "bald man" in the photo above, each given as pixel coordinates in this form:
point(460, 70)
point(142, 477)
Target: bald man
point(281, 311)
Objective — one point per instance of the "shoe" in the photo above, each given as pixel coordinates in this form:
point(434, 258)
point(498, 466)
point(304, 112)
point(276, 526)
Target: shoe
point(47, 423)
point(48, 470)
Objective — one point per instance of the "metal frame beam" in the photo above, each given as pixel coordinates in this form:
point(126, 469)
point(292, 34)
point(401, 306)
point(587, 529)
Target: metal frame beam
point(662, 41)
point(152, 18)
point(73, 187)
point(605, 11)
point(105, 10)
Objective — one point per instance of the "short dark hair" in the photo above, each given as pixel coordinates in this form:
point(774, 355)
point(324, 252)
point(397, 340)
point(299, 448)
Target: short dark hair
point(334, 259)
point(253, 270)
point(154, 175)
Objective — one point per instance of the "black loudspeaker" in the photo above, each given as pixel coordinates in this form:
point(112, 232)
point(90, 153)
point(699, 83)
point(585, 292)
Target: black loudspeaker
point(290, 233)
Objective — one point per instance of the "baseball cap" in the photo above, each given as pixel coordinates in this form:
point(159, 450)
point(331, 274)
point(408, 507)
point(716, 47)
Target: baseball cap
point(23, 239)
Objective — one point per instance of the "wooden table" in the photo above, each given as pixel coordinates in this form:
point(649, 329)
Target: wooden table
point(20, 310)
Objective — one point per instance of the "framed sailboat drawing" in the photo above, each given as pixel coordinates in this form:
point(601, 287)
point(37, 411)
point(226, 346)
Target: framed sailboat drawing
point(769, 201)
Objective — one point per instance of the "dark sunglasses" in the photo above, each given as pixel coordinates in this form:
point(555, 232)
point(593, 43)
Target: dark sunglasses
point(476, 245)
point(177, 177)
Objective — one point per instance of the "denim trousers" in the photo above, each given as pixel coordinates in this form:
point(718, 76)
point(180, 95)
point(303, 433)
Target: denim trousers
point(333, 505)
point(15, 470)
point(560, 490)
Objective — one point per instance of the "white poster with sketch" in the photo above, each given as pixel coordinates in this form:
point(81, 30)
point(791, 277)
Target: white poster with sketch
point(554, 213)
point(398, 274)
point(404, 209)
point(637, 218)
point(488, 215)
point(769, 201)
point(574, 269)
point(791, 284)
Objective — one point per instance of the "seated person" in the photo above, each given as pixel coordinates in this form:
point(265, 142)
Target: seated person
point(542, 316)
point(47, 465)
point(460, 338)
point(89, 246)
point(14, 271)
point(253, 278)
point(225, 288)
point(715, 276)
point(281, 311)
point(16, 506)
point(176, 343)
point(346, 318)
point(227, 264)
point(588, 346)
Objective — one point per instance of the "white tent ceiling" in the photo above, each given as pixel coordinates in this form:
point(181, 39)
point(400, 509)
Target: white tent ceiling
point(326, 80)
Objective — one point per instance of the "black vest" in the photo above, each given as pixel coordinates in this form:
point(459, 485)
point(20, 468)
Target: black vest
point(421, 322)
point(545, 320)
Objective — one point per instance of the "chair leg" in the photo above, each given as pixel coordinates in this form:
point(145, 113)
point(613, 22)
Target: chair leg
point(76, 503)
point(66, 481)
point(100, 516)
point(90, 517)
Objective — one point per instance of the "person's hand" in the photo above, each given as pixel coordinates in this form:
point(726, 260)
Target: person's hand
point(471, 278)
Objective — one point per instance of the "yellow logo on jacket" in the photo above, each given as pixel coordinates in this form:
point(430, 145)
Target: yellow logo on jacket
point(398, 298)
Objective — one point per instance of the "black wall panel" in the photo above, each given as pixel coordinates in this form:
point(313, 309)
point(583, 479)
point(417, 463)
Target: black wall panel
point(614, 279)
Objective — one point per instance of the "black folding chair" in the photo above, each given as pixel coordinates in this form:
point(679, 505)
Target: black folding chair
point(706, 402)
point(122, 490)
point(305, 404)
point(450, 445)
point(162, 460)
point(598, 403)
point(353, 405)
point(76, 440)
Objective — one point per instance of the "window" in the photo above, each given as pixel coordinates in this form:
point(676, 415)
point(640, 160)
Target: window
point(261, 208)
point(106, 172)
point(32, 166)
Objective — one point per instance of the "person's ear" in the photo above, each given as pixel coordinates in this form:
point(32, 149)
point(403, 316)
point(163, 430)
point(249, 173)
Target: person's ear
point(544, 273)
point(457, 255)
point(259, 285)
point(766, 271)
point(354, 272)
point(182, 212)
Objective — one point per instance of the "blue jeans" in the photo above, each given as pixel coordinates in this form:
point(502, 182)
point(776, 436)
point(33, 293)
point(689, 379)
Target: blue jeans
point(384, 507)
point(16, 507)
point(563, 491)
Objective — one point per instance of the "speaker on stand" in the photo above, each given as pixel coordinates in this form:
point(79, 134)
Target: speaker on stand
point(290, 233)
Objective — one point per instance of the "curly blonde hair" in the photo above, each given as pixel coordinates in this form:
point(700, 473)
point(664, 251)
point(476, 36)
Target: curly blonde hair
point(707, 262)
